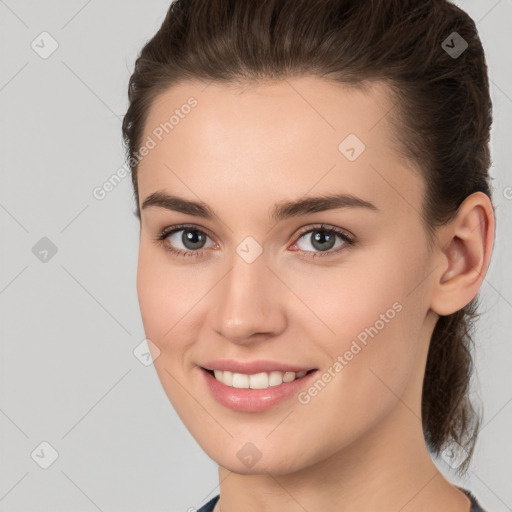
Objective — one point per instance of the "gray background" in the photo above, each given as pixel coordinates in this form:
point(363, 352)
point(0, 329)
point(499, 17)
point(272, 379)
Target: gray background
point(70, 324)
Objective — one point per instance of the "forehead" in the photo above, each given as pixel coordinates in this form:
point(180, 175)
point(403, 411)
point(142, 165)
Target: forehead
point(275, 139)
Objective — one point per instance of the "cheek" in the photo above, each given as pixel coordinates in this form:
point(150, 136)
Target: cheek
point(352, 297)
point(151, 286)
point(171, 300)
point(370, 319)
point(165, 308)
point(163, 298)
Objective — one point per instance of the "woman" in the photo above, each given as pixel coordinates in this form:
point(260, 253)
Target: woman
point(311, 179)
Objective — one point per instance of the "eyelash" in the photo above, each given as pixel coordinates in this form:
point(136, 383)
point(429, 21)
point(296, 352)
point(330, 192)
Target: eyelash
point(347, 239)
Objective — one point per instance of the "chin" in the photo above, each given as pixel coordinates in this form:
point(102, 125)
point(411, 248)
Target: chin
point(246, 459)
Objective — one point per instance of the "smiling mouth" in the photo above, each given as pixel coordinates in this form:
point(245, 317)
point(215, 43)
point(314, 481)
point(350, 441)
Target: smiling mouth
point(260, 380)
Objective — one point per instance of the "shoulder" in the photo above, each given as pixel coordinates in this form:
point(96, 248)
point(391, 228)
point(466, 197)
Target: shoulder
point(208, 507)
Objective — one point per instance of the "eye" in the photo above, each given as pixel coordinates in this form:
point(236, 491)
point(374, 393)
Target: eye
point(190, 237)
point(323, 239)
point(320, 240)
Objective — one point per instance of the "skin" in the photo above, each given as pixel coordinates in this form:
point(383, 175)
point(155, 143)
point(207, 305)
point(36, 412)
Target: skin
point(359, 442)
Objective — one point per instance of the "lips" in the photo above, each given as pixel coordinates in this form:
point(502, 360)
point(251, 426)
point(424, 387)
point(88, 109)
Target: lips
point(254, 399)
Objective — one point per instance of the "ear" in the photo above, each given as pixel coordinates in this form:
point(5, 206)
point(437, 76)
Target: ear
point(464, 248)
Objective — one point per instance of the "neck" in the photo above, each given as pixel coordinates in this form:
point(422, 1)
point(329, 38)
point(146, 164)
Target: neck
point(388, 468)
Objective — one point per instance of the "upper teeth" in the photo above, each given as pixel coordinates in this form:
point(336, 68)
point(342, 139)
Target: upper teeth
point(258, 380)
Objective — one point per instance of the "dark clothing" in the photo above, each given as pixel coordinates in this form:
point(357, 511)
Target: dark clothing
point(475, 506)
point(209, 506)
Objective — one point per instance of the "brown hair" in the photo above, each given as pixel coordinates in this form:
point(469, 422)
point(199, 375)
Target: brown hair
point(441, 119)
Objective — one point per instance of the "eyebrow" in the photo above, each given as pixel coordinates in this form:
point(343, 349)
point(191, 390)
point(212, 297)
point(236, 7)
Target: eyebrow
point(282, 210)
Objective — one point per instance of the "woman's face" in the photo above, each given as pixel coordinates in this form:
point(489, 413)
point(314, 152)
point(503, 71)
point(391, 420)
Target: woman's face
point(263, 282)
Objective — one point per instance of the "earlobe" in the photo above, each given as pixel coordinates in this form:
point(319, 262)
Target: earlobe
point(464, 254)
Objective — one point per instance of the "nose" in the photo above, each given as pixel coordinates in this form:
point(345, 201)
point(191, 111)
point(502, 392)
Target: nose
point(249, 303)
